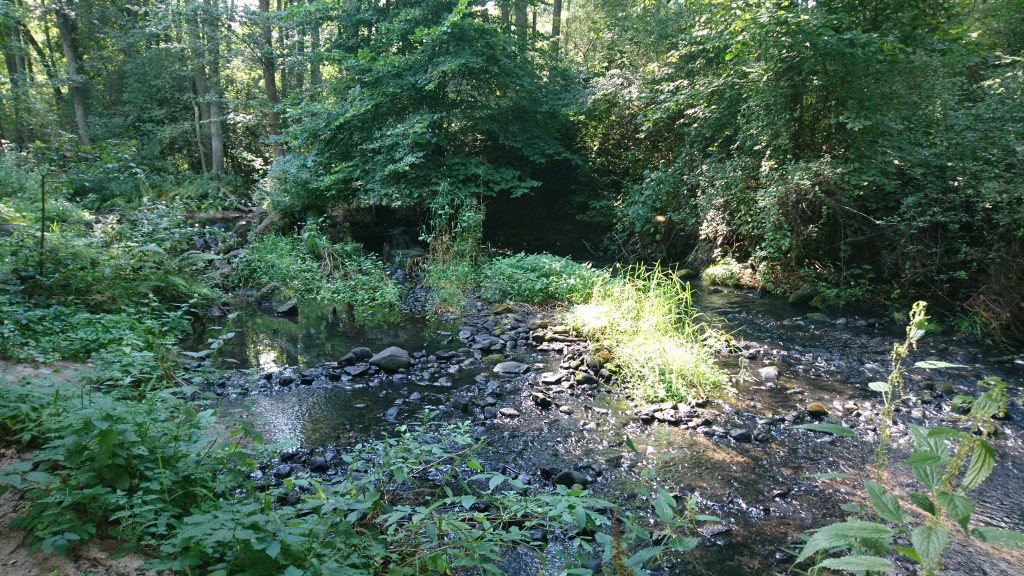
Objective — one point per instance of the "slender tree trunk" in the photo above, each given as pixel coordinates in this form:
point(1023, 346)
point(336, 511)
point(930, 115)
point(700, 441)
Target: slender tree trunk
point(522, 18)
point(47, 64)
point(556, 23)
point(77, 81)
point(201, 89)
point(216, 106)
point(14, 61)
point(269, 65)
point(315, 75)
point(506, 15)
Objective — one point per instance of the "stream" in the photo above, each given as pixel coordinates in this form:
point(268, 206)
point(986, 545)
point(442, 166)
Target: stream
point(741, 457)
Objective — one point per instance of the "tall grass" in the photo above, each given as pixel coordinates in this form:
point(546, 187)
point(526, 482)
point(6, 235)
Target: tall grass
point(660, 347)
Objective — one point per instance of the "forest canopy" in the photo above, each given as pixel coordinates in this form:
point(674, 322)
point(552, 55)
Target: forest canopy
point(871, 149)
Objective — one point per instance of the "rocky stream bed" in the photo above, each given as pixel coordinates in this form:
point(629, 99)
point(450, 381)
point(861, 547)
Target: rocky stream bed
point(318, 383)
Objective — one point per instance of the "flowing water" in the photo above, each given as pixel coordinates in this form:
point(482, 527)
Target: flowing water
point(762, 490)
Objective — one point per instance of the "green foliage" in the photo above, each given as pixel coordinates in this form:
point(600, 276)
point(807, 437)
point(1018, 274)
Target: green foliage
point(159, 474)
point(102, 466)
point(660, 348)
point(456, 230)
point(947, 463)
point(437, 97)
point(535, 279)
point(874, 148)
point(725, 272)
point(309, 266)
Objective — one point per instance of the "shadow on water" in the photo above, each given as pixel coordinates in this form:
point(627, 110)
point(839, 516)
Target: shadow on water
point(762, 490)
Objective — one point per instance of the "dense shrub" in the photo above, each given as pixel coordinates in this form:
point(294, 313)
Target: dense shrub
point(535, 279)
point(308, 266)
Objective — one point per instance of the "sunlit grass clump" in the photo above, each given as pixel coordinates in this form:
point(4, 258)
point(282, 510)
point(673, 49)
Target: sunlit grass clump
point(660, 348)
point(725, 272)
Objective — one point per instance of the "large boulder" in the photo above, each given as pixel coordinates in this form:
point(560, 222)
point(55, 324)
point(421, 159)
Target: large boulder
point(804, 295)
point(391, 359)
point(289, 308)
point(511, 368)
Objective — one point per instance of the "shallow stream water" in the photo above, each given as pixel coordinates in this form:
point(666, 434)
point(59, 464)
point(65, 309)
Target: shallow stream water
point(761, 489)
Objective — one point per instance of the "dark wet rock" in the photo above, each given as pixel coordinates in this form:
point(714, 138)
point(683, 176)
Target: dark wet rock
point(391, 413)
point(509, 412)
point(741, 435)
point(585, 378)
point(804, 295)
point(282, 471)
point(511, 368)
point(319, 464)
point(762, 437)
point(347, 360)
point(570, 478)
point(286, 380)
point(415, 397)
point(357, 370)
point(817, 410)
point(289, 308)
point(540, 399)
point(391, 359)
point(290, 455)
point(566, 409)
point(361, 353)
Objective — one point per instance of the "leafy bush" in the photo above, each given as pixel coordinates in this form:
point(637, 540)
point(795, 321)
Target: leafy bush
point(725, 272)
point(660, 350)
point(311, 267)
point(535, 279)
point(102, 466)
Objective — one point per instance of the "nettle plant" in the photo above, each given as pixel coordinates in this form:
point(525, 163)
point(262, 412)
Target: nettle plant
point(946, 464)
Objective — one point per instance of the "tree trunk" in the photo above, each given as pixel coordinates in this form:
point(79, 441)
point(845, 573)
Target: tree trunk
point(556, 23)
point(522, 17)
point(269, 65)
point(201, 90)
point(216, 116)
point(315, 75)
point(47, 64)
point(77, 81)
point(506, 15)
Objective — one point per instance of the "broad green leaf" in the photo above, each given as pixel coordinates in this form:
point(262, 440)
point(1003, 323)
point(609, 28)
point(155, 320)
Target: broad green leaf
point(834, 429)
point(923, 502)
point(937, 364)
point(929, 476)
point(930, 542)
point(999, 537)
point(944, 432)
point(885, 504)
point(983, 459)
point(640, 558)
point(474, 465)
point(843, 534)
point(858, 564)
point(958, 507)
point(273, 549)
point(908, 552)
point(879, 386)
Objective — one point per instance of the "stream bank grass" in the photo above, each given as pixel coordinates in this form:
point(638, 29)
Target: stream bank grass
point(661, 350)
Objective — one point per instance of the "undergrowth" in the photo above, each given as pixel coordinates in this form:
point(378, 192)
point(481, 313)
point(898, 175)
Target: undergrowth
point(160, 476)
point(310, 267)
point(535, 279)
point(660, 348)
